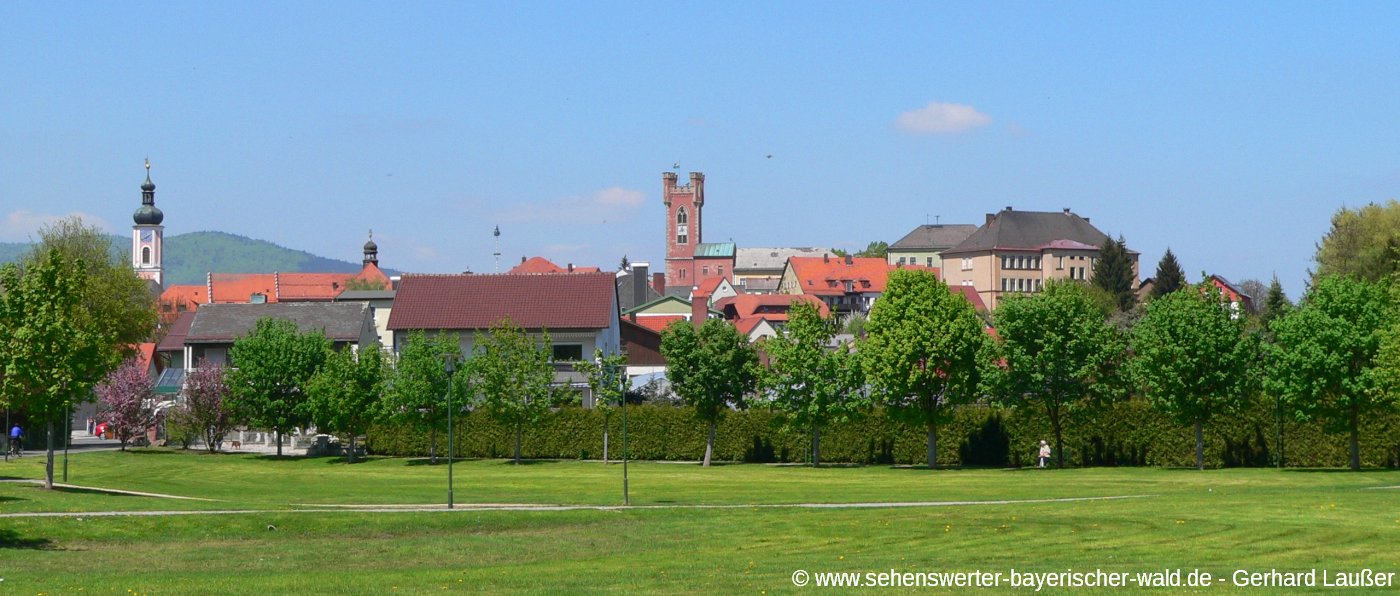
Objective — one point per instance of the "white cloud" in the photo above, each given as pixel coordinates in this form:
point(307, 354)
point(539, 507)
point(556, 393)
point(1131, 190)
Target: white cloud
point(942, 118)
point(613, 203)
point(23, 225)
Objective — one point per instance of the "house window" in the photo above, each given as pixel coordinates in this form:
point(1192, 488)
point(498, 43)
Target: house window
point(681, 274)
point(705, 271)
point(930, 261)
point(145, 255)
point(719, 270)
point(901, 260)
point(967, 264)
point(1060, 262)
point(568, 352)
point(967, 282)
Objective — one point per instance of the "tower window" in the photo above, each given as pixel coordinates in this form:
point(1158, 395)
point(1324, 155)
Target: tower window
point(681, 217)
point(145, 255)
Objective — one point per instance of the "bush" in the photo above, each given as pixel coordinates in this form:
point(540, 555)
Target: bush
point(1128, 433)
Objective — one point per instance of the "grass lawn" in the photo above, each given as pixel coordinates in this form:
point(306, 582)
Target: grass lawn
point(1217, 521)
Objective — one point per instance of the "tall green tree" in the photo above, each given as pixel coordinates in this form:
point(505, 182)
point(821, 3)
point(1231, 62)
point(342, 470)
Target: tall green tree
point(923, 351)
point(1276, 303)
point(271, 368)
point(344, 396)
point(1059, 354)
point(713, 369)
point(121, 303)
point(1169, 276)
point(1324, 360)
point(876, 248)
point(514, 376)
point(1113, 271)
point(418, 389)
point(51, 352)
point(1362, 242)
point(607, 375)
point(813, 385)
point(1194, 360)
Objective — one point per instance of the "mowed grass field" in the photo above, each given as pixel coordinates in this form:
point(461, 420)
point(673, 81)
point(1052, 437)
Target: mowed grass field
point(745, 539)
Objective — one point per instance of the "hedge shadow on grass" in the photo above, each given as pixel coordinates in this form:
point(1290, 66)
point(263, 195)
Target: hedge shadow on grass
point(11, 539)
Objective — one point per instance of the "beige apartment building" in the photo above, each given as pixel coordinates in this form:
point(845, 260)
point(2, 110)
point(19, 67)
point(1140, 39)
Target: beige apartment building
point(1018, 251)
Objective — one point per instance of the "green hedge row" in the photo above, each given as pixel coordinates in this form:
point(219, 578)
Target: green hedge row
point(1126, 433)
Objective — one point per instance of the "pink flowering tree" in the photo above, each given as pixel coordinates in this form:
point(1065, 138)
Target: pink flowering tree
point(126, 402)
point(206, 404)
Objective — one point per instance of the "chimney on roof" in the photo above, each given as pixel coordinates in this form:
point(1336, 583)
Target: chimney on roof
point(522, 259)
point(209, 287)
point(639, 283)
point(571, 267)
point(1008, 208)
point(699, 309)
point(1066, 210)
point(826, 258)
point(848, 259)
point(990, 218)
point(658, 282)
point(277, 285)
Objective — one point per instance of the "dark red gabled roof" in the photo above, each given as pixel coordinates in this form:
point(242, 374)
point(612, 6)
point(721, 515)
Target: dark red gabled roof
point(463, 302)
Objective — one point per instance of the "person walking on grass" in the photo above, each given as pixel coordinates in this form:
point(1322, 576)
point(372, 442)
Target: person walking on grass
point(1044, 453)
point(16, 439)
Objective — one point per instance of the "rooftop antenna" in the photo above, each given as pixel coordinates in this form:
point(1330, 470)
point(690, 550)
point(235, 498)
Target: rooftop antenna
point(497, 254)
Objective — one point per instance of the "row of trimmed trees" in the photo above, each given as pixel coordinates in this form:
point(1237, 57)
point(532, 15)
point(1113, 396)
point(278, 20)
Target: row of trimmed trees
point(1335, 358)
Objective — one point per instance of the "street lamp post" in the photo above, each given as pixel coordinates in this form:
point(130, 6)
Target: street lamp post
point(622, 394)
point(450, 367)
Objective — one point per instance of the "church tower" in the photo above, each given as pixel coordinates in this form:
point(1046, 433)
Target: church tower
point(147, 236)
point(683, 205)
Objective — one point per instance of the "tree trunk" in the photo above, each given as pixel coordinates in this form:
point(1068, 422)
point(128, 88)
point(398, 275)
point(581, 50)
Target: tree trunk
point(432, 446)
point(1355, 438)
point(1200, 445)
point(1059, 440)
point(278, 433)
point(933, 445)
point(710, 443)
point(351, 455)
point(816, 446)
point(48, 465)
point(605, 439)
point(517, 443)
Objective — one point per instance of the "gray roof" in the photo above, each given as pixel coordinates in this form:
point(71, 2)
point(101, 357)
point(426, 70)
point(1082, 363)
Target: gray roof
point(771, 259)
point(1032, 230)
point(224, 323)
point(934, 237)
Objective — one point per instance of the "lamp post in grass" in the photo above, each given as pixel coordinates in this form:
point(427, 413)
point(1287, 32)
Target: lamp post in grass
point(615, 373)
point(450, 366)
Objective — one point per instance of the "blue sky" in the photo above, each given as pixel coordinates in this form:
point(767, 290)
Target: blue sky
point(1228, 131)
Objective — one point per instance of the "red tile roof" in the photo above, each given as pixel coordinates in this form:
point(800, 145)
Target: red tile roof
point(175, 337)
point(823, 276)
point(773, 307)
point(462, 302)
point(145, 355)
point(542, 265)
point(658, 323)
point(972, 296)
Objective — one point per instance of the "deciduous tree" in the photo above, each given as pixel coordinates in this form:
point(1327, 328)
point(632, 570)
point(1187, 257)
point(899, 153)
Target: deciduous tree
point(418, 390)
point(272, 366)
point(812, 384)
point(1058, 353)
point(344, 396)
point(513, 374)
point(713, 369)
point(127, 402)
point(606, 375)
point(205, 406)
point(1192, 359)
point(1362, 242)
point(923, 351)
point(1324, 359)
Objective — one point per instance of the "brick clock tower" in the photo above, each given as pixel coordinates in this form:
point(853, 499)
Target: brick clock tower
point(683, 205)
point(147, 236)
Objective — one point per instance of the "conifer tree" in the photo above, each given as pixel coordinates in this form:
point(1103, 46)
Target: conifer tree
point(1114, 273)
point(1169, 277)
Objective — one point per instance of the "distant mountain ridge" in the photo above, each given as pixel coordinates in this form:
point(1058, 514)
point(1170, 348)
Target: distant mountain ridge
point(188, 257)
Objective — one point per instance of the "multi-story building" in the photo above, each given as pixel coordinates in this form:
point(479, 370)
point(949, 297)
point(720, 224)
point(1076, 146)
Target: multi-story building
point(689, 261)
point(1018, 251)
point(923, 245)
